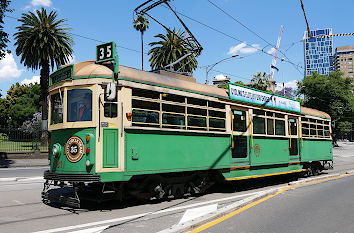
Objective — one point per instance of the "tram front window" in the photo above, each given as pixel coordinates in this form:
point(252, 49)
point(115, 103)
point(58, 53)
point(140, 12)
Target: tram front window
point(79, 105)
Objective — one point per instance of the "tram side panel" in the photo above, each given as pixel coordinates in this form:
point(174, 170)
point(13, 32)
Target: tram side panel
point(156, 152)
point(269, 151)
point(316, 150)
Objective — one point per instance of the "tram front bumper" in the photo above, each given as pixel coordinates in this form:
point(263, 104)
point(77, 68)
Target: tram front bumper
point(71, 177)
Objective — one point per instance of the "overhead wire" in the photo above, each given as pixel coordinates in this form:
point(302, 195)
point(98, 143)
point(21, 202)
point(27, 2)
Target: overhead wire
point(234, 38)
point(89, 38)
point(243, 25)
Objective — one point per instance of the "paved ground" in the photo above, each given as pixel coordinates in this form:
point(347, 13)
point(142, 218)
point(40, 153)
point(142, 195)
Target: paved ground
point(324, 207)
point(21, 209)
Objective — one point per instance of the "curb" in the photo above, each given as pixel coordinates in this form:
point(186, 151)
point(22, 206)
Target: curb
point(195, 223)
point(21, 178)
point(187, 226)
point(320, 177)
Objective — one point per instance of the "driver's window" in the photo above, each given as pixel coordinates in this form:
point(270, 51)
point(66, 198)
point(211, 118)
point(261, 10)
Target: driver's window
point(79, 105)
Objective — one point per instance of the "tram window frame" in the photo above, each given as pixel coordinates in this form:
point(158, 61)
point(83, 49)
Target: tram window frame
point(57, 108)
point(314, 128)
point(191, 108)
point(110, 107)
point(240, 115)
point(274, 123)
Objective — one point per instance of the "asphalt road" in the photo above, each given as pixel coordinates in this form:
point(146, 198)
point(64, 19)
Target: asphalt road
point(324, 207)
point(21, 208)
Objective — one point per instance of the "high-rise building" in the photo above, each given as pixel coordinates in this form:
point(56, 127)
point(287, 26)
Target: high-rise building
point(318, 52)
point(343, 60)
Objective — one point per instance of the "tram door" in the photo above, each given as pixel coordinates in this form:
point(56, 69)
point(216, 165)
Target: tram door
point(239, 127)
point(293, 137)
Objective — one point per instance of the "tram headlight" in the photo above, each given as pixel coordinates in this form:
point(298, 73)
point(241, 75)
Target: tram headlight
point(88, 163)
point(56, 149)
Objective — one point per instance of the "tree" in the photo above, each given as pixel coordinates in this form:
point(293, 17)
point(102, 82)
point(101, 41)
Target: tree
point(331, 94)
point(141, 23)
point(43, 42)
point(170, 48)
point(4, 4)
point(19, 105)
point(260, 81)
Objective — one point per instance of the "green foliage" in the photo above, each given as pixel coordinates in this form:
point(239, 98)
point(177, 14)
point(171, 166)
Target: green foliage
point(4, 37)
point(170, 48)
point(223, 85)
point(331, 94)
point(19, 105)
point(260, 81)
point(41, 39)
point(141, 23)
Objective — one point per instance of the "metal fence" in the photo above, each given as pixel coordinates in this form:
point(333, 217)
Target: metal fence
point(18, 140)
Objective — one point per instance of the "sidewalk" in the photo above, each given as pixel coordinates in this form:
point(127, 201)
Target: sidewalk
point(345, 149)
point(24, 163)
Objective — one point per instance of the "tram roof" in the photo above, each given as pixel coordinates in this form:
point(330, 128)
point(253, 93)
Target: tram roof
point(91, 69)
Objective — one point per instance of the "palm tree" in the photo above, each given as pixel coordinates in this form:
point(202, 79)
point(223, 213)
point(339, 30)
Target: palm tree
point(141, 23)
point(170, 48)
point(260, 81)
point(43, 42)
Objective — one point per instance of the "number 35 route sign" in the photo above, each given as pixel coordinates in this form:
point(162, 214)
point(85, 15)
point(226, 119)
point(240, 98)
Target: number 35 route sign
point(106, 52)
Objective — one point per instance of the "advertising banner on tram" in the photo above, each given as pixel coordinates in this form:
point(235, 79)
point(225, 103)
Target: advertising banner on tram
point(253, 96)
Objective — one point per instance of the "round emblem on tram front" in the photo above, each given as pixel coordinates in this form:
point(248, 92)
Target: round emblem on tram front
point(74, 149)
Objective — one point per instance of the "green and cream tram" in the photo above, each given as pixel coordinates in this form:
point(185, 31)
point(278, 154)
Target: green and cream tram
point(161, 134)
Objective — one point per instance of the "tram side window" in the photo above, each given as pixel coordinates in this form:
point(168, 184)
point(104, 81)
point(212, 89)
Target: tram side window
point(145, 113)
point(79, 105)
point(56, 108)
point(258, 125)
point(280, 127)
point(315, 128)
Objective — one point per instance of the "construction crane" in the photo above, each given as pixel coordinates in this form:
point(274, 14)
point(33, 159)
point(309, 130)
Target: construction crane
point(274, 61)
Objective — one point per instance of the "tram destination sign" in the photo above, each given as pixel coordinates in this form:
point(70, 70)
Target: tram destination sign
point(61, 74)
point(253, 96)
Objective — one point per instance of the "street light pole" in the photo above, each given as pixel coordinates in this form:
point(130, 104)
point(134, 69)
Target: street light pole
point(209, 67)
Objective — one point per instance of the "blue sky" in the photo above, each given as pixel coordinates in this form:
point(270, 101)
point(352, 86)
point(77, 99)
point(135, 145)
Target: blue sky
point(111, 20)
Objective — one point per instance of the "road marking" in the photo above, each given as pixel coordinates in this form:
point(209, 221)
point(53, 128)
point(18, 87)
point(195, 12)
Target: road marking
point(92, 230)
point(18, 202)
point(194, 213)
point(141, 215)
point(281, 190)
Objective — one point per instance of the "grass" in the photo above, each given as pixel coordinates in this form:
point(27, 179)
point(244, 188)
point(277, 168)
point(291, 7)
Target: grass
point(10, 146)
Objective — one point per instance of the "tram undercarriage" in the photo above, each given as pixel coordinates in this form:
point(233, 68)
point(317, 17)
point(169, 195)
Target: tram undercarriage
point(144, 187)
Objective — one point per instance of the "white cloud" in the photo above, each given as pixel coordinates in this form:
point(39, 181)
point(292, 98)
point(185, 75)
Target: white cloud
point(243, 48)
point(8, 68)
point(271, 51)
point(292, 84)
point(33, 80)
point(46, 3)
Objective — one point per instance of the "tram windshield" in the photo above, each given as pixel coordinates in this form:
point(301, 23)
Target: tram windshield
point(79, 105)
